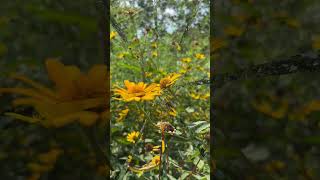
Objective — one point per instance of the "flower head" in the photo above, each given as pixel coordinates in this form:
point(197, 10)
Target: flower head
point(156, 160)
point(137, 92)
point(169, 80)
point(186, 60)
point(154, 54)
point(133, 136)
point(75, 96)
point(113, 34)
point(200, 56)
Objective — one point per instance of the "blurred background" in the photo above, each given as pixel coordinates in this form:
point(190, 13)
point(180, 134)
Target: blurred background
point(265, 128)
point(30, 33)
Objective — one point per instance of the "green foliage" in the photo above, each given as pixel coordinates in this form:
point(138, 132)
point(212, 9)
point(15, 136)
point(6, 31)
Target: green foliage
point(152, 53)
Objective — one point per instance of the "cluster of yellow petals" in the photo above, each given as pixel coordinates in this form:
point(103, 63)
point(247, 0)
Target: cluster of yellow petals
point(138, 92)
point(75, 97)
point(200, 56)
point(169, 80)
point(154, 163)
point(133, 136)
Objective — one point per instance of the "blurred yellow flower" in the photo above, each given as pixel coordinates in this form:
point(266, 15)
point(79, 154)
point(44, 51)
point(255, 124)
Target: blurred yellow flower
point(138, 92)
point(200, 56)
point(154, 45)
point(73, 98)
point(155, 160)
point(122, 115)
point(194, 96)
point(186, 60)
point(133, 136)
point(113, 34)
point(169, 80)
point(154, 54)
point(154, 163)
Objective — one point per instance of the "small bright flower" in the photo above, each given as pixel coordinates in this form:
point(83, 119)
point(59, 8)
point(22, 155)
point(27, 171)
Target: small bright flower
point(155, 160)
point(154, 163)
point(195, 96)
point(113, 34)
point(133, 136)
point(73, 98)
point(154, 45)
point(200, 56)
point(122, 115)
point(154, 54)
point(205, 96)
point(186, 60)
point(137, 92)
point(169, 80)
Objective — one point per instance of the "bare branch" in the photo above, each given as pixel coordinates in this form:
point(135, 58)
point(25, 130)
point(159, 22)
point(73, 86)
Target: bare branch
point(294, 64)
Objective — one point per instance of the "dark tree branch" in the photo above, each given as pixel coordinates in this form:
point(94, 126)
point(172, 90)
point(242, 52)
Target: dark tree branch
point(118, 28)
point(294, 64)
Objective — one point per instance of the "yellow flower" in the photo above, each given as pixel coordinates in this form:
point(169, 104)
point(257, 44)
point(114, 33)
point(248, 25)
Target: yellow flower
point(113, 34)
point(137, 92)
point(200, 56)
point(154, 45)
point(73, 98)
point(156, 160)
point(169, 80)
point(154, 163)
point(186, 60)
point(195, 96)
point(154, 54)
point(131, 137)
point(122, 115)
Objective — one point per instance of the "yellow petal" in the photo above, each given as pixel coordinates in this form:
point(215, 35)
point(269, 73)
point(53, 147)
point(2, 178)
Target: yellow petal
point(26, 92)
point(23, 118)
point(42, 89)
